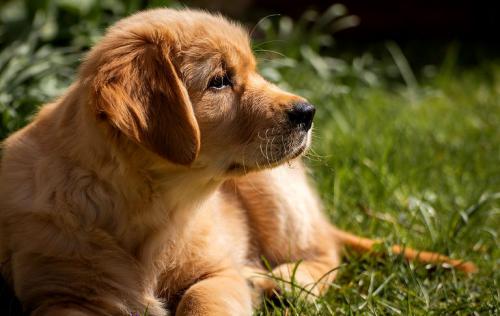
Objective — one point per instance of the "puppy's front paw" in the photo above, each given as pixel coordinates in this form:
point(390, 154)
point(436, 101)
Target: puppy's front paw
point(285, 279)
point(262, 284)
point(222, 294)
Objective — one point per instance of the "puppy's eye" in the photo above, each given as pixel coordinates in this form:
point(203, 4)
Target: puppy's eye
point(220, 82)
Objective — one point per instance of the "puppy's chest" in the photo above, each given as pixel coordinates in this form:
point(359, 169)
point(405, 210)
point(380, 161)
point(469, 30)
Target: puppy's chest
point(199, 242)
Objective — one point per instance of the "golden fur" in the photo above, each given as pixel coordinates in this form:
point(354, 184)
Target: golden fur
point(122, 195)
point(116, 197)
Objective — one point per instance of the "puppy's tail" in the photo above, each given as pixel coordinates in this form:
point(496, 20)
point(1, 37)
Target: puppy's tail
point(361, 244)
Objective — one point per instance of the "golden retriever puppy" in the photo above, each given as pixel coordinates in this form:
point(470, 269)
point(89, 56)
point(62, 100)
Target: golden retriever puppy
point(122, 196)
point(114, 201)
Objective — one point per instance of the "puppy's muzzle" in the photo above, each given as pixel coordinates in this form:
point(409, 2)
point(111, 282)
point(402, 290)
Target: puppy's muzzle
point(301, 115)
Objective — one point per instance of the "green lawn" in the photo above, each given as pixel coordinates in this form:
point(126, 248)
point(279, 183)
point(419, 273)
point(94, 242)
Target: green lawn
point(417, 165)
point(412, 159)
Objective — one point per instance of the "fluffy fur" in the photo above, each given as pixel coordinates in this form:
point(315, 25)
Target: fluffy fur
point(117, 198)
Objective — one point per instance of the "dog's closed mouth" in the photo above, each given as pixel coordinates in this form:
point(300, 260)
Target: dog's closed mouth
point(296, 150)
point(300, 150)
point(287, 155)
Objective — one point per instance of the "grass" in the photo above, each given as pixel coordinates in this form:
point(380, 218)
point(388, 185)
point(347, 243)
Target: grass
point(410, 158)
point(413, 164)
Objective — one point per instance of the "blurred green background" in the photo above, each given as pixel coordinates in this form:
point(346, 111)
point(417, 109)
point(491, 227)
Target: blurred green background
point(406, 141)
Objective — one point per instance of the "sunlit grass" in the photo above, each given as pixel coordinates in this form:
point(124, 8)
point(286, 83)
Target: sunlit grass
point(420, 170)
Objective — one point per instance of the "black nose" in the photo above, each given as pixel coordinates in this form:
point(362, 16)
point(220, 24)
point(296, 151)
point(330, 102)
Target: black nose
point(301, 114)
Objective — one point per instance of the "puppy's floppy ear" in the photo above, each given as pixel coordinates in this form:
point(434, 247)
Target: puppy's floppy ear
point(137, 89)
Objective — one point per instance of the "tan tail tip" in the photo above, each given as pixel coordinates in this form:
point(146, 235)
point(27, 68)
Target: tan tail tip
point(466, 266)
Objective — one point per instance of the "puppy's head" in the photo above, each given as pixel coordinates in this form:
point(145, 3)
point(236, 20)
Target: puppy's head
point(184, 85)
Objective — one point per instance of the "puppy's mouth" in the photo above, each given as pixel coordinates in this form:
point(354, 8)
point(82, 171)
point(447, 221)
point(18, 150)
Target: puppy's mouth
point(272, 152)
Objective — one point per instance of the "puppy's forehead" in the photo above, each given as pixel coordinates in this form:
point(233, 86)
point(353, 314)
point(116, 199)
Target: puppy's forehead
point(205, 36)
point(208, 44)
point(192, 32)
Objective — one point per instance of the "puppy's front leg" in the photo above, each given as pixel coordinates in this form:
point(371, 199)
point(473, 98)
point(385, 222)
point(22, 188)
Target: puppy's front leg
point(223, 293)
point(311, 277)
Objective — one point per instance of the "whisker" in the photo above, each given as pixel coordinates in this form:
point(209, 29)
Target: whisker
point(269, 51)
point(272, 158)
point(262, 20)
point(267, 143)
point(267, 42)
